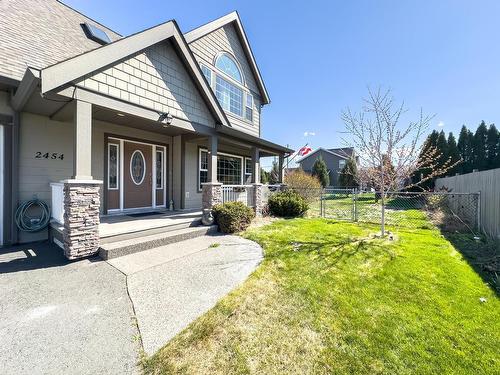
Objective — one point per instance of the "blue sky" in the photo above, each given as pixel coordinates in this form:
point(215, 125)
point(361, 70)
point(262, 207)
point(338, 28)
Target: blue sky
point(317, 57)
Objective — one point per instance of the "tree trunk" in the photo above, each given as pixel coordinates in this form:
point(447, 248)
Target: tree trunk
point(382, 218)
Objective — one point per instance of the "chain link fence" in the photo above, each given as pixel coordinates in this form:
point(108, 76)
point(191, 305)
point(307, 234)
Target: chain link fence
point(450, 211)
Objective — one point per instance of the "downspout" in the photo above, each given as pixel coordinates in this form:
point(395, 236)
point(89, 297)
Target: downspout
point(14, 176)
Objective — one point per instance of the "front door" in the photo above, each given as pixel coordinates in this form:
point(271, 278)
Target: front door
point(138, 175)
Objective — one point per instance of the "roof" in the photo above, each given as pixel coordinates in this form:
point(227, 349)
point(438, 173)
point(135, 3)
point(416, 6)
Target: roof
point(345, 151)
point(322, 149)
point(233, 18)
point(55, 34)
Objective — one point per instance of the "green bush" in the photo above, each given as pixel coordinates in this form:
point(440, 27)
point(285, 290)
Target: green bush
point(233, 216)
point(287, 204)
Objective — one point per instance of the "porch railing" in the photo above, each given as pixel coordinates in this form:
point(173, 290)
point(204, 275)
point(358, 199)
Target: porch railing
point(238, 193)
point(57, 206)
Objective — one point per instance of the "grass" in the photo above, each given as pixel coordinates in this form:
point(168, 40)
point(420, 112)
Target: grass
point(329, 298)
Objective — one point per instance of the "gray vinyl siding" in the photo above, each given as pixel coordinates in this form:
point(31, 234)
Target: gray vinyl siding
point(332, 163)
point(206, 50)
point(155, 79)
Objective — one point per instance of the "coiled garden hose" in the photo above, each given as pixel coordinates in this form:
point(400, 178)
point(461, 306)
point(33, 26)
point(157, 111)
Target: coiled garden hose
point(28, 223)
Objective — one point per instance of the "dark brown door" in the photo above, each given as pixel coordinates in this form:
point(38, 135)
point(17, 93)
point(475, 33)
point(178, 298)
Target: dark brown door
point(137, 175)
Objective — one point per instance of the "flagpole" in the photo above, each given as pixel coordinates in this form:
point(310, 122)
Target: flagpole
point(297, 153)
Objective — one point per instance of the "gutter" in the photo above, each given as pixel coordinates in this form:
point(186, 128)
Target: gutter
point(253, 139)
point(28, 84)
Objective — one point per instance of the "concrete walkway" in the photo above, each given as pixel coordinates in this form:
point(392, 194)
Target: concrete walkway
point(61, 317)
point(172, 285)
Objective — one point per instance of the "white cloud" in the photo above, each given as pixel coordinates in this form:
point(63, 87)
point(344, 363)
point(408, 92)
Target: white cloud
point(440, 124)
point(309, 134)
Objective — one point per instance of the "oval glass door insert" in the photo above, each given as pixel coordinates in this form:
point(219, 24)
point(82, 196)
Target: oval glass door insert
point(137, 167)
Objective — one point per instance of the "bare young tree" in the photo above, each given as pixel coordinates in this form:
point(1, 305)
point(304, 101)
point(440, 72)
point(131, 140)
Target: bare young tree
point(390, 152)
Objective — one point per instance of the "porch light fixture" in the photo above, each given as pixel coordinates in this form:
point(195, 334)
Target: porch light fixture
point(120, 114)
point(165, 118)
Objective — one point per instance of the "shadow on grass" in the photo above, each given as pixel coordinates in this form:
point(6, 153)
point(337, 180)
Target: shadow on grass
point(483, 255)
point(336, 253)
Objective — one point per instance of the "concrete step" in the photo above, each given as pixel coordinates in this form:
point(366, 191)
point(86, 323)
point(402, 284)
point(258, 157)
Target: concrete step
point(131, 234)
point(134, 245)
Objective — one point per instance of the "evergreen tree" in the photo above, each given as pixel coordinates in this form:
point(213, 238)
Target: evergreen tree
point(453, 154)
point(464, 146)
point(320, 171)
point(348, 174)
point(421, 173)
point(274, 175)
point(264, 176)
point(479, 149)
point(492, 146)
point(442, 147)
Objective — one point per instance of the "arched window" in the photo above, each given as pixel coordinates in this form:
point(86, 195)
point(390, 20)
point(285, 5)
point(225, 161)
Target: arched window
point(227, 65)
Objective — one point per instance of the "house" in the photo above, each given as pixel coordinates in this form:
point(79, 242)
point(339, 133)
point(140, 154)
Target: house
point(97, 124)
point(335, 159)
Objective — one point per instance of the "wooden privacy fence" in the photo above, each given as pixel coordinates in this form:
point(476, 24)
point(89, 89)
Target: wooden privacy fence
point(488, 184)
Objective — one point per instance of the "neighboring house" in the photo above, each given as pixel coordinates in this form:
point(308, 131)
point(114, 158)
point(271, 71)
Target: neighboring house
point(335, 159)
point(126, 123)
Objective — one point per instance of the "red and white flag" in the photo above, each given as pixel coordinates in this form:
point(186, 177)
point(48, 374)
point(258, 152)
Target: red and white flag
point(305, 150)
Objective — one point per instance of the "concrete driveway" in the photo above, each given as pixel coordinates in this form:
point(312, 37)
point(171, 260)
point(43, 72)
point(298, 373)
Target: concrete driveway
point(61, 317)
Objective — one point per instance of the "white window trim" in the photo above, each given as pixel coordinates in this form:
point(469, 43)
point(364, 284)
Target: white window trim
point(246, 173)
point(118, 161)
point(343, 165)
point(162, 152)
point(242, 158)
point(213, 77)
point(145, 167)
point(238, 65)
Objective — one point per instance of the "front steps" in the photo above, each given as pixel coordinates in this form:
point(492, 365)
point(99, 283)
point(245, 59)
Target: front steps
point(139, 241)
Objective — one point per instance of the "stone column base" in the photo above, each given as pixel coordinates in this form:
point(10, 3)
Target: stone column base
point(81, 218)
point(257, 199)
point(211, 194)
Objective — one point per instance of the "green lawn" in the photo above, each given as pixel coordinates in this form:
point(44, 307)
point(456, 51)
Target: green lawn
point(330, 299)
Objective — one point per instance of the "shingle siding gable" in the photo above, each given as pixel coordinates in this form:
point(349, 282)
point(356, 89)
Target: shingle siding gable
point(226, 39)
point(156, 79)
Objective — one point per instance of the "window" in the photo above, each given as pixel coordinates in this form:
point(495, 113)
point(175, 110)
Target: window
point(159, 169)
point(203, 166)
point(341, 163)
point(207, 73)
point(229, 169)
point(137, 167)
point(230, 96)
point(248, 170)
point(249, 108)
point(227, 65)
point(95, 33)
point(113, 163)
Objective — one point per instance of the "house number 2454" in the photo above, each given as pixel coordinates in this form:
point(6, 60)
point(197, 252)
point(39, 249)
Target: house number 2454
point(49, 155)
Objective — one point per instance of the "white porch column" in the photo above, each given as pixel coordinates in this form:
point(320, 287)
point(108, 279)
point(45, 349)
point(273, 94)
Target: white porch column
point(82, 159)
point(212, 189)
point(255, 165)
point(257, 186)
point(212, 158)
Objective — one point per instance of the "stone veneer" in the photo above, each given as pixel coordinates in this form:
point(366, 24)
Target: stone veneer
point(211, 194)
point(258, 199)
point(81, 218)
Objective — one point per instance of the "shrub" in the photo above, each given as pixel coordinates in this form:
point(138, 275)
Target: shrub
point(287, 204)
point(304, 184)
point(233, 216)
